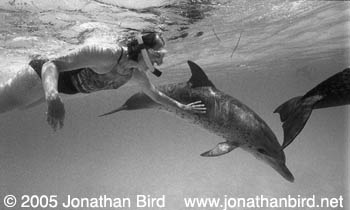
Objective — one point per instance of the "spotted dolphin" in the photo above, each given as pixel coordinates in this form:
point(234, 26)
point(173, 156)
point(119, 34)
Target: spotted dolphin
point(294, 113)
point(226, 117)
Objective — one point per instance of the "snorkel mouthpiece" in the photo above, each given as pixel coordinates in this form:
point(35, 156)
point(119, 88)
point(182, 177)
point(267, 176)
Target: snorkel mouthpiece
point(145, 56)
point(157, 72)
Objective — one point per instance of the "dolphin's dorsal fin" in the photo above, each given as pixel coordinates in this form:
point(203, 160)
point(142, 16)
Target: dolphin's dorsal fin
point(199, 78)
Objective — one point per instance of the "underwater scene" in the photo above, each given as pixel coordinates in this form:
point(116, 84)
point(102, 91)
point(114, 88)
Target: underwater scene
point(243, 59)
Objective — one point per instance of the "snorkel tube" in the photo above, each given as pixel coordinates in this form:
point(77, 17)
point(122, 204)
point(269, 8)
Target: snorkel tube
point(146, 58)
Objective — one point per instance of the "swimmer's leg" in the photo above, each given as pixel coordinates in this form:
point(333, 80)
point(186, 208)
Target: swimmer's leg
point(23, 89)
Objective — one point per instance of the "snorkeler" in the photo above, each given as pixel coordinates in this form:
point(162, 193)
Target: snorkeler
point(86, 70)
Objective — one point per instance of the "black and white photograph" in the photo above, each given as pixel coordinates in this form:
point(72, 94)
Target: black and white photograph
point(174, 104)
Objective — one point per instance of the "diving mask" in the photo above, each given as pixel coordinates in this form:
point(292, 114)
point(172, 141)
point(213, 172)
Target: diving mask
point(147, 59)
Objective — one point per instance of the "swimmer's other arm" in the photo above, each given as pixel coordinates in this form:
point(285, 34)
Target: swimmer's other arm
point(100, 59)
point(55, 107)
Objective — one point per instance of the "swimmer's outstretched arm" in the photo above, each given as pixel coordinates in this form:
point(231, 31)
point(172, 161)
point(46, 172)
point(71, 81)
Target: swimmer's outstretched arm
point(148, 88)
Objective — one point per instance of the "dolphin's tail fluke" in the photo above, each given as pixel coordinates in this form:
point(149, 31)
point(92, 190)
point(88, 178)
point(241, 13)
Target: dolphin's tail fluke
point(294, 114)
point(124, 107)
point(287, 108)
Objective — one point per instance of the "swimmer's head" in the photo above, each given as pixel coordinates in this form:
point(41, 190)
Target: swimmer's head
point(147, 48)
point(152, 42)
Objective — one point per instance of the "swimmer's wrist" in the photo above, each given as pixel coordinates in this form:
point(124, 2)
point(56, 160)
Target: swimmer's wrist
point(51, 95)
point(183, 107)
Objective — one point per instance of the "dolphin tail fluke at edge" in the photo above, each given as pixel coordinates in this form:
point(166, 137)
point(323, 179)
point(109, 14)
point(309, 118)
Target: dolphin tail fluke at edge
point(294, 114)
point(287, 108)
point(122, 108)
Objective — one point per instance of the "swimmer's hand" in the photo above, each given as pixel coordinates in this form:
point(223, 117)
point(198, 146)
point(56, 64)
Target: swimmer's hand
point(55, 111)
point(196, 107)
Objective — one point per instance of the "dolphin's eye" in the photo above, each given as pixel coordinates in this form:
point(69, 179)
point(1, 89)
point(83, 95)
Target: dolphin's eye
point(262, 151)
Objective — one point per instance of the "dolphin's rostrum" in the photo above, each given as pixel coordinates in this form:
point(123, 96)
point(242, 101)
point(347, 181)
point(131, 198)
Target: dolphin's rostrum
point(226, 117)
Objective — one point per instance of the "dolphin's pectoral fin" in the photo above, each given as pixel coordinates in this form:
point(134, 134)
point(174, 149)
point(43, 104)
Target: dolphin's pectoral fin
point(220, 149)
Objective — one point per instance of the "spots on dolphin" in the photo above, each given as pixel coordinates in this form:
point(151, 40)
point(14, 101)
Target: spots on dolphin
point(247, 117)
point(212, 92)
point(244, 116)
point(198, 34)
